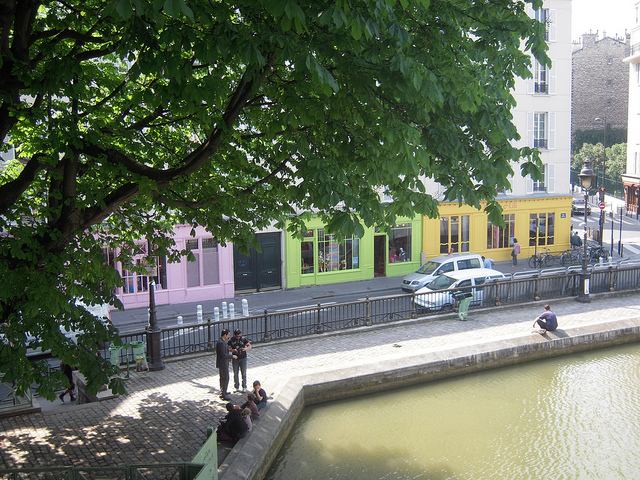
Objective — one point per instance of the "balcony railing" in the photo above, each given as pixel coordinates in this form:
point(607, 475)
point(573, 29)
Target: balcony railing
point(540, 142)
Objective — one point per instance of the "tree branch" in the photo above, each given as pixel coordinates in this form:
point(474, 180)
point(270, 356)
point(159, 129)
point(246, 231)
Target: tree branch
point(11, 191)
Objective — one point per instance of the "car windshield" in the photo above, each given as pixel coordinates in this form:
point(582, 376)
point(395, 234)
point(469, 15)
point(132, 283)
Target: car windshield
point(428, 268)
point(441, 282)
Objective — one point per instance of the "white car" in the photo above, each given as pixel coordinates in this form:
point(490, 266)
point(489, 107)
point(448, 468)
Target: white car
point(441, 293)
point(437, 266)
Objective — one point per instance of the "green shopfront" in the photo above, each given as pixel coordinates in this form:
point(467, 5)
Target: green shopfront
point(320, 258)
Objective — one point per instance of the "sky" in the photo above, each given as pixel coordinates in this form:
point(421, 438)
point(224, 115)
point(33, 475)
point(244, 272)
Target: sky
point(611, 16)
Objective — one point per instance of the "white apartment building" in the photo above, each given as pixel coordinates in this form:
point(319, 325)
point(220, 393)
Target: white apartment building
point(537, 213)
point(631, 177)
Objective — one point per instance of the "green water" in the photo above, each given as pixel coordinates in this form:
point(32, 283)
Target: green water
point(573, 417)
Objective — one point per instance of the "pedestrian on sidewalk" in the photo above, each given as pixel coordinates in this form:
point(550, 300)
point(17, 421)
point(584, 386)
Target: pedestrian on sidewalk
point(223, 355)
point(239, 346)
point(515, 251)
point(71, 386)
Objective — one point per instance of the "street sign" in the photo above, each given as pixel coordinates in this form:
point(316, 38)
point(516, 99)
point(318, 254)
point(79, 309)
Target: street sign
point(601, 205)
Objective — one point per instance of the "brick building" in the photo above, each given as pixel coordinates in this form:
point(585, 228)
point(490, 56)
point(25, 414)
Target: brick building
point(599, 90)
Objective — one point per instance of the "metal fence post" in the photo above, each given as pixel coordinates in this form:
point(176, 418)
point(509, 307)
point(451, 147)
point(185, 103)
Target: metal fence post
point(266, 336)
point(209, 339)
point(318, 326)
point(536, 294)
point(413, 305)
point(368, 319)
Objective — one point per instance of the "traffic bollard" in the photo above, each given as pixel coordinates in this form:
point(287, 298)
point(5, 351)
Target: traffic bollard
point(199, 313)
point(224, 309)
point(232, 311)
point(216, 314)
point(245, 307)
point(179, 319)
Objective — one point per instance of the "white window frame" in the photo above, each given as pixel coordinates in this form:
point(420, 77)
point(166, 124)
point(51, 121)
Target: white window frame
point(541, 136)
point(199, 254)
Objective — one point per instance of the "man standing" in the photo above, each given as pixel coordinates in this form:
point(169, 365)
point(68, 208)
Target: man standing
point(223, 355)
point(547, 321)
point(239, 346)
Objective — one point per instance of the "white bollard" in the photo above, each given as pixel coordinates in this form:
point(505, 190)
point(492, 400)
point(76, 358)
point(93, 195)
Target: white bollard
point(224, 309)
point(232, 310)
point(199, 313)
point(216, 314)
point(179, 319)
point(245, 307)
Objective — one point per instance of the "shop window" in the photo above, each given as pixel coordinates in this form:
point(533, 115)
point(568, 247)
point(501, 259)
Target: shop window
point(334, 255)
point(204, 269)
point(137, 280)
point(541, 229)
point(500, 237)
point(307, 258)
point(400, 243)
point(454, 234)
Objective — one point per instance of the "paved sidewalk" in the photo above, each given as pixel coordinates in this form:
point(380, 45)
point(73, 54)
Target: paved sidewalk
point(165, 416)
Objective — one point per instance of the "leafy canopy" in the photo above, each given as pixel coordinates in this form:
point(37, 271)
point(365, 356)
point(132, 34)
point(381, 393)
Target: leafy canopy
point(133, 115)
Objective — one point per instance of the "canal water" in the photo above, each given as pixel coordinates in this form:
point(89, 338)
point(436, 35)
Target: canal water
point(572, 417)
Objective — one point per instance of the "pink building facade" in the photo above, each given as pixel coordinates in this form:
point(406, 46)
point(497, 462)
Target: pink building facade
point(208, 277)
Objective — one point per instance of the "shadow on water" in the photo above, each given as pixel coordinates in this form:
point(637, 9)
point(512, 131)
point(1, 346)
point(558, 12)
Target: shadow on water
point(354, 462)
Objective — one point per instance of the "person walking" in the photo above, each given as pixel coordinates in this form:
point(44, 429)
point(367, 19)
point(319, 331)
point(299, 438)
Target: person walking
point(515, 251)
point(547, 321)
point(71, 386)
point(223, 355)
point(239, 346)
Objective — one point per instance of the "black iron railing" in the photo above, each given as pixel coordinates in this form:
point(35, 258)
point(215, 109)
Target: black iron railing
point(521, 288)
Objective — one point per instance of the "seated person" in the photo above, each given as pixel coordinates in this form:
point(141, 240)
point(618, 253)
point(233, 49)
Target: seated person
point(246, 416)
point(233, 427)
point(251, 405)
point(260, 394)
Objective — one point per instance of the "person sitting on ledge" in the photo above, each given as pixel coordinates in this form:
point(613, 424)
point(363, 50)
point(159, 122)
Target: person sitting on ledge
point(260, 394)
point(547, 321)
point(233, 427)
point(251, 405)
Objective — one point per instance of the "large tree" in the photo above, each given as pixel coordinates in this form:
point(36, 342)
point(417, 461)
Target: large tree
point(132, 115)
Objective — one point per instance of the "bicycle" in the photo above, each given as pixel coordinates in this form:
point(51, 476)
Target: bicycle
point(571, 257)
point(596, 252)
point(541, 260)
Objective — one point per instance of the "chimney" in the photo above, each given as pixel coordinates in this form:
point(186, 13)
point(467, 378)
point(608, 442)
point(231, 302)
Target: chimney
point(589, 39)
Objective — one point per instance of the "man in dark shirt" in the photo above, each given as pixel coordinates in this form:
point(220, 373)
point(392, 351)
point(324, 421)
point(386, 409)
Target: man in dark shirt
point(239, 346)
point(547, 320)
point(223, 355)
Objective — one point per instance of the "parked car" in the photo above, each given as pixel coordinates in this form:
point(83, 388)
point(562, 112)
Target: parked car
point(437, 266)
point(441, 293)
point(578, 206)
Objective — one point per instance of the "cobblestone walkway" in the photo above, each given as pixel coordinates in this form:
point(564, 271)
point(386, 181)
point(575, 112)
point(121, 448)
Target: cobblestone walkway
point(165, 415)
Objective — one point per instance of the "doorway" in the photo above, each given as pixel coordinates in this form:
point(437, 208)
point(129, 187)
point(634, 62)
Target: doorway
point(379, 255)
point(259, 269)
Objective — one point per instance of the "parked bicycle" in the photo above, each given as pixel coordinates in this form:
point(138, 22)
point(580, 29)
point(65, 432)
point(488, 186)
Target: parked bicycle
point(571, 257)
point(595, 252)
point(544, 259)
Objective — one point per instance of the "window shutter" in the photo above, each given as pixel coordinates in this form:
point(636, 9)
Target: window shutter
point(551, 28)
point(531, 81)
point(530, 129)
point(552, 81)
point(551, 142)
point(529, 184)
point(549, 177)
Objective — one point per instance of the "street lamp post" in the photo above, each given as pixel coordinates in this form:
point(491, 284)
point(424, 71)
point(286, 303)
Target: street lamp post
point(586, 179)
point(602, 190)
point(153, 333)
